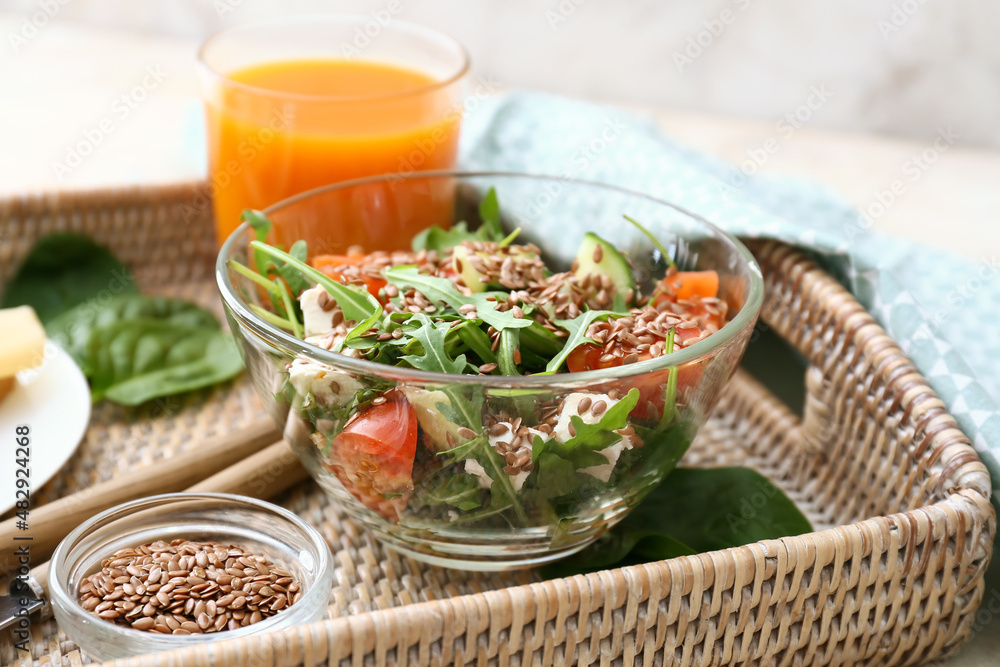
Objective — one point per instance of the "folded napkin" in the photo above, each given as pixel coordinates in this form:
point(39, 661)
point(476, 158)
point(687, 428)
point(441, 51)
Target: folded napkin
point(940, 307)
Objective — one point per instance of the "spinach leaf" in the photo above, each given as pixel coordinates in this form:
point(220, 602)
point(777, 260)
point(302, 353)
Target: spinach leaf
point(213, 358)
point(135, 348)
point(74, 328)
point(693, 510)
point(63, 270)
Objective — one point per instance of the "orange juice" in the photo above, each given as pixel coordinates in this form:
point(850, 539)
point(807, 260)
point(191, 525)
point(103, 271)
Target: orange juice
point(284, 127)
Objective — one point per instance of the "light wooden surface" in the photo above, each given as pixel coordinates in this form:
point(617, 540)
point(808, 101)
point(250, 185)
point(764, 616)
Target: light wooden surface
point(67, 79)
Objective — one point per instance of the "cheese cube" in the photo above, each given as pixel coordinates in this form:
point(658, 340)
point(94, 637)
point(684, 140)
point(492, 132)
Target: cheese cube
point(22, 340)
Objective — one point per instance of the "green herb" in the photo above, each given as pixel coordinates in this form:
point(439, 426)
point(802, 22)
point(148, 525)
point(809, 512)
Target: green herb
point(197, 361)
point(431, 336)
point(656, 242)
point(64, 270)
point(602, 433)
point(510, 238)
point(670, 393)
point(74, 329)
point(442, 290)
point(358, 305)
point(460, 491)
point(477, 340)
point(577, 328)
point(505, 353)
point(489, 213)
point(502, 491)
point(436, 238)
point(135, 348)
point(693, 510)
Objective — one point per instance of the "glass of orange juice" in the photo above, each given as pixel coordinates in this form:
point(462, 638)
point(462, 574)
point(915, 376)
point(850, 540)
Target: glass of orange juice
point(300, 102)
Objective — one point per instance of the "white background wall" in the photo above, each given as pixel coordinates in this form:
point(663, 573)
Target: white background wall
point(902, 67)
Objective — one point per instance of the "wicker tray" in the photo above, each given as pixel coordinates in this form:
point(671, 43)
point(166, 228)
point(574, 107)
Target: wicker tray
point(893, 575)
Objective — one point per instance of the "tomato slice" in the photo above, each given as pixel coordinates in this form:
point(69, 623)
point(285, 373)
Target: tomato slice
point(373, 456)
point(651, 386)
point(329, 263)
point(686, 285)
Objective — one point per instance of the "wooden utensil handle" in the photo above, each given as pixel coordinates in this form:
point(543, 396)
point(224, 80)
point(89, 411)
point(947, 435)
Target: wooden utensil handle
point(52, 522)
point(265, 474)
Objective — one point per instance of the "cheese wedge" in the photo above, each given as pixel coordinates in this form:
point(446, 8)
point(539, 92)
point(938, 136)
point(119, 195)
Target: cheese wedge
point(22, 344)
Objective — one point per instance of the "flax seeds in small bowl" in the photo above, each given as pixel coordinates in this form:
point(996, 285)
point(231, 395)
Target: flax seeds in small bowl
point(179, 569)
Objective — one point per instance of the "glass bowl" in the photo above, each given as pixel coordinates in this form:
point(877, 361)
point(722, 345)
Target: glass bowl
point(454, 507)
point(256, 525)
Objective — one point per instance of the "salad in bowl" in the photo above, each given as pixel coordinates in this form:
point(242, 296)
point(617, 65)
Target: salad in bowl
point(482, 398)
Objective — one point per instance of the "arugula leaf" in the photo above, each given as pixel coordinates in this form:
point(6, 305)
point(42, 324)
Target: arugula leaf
point(477, 340)
point(262, 228)
point(602, 433)
point(444, 291)
point(431, 336)
point(693, 510)
point(670, 393)
point(502, 491)
point(505, 353)
point(489, 213)
point(357, 305)
point(460, 490)
point(556, 476)
point(656, 242)
point(63, 270)
point(577, 328)
point(436, 238)
point(294, 278)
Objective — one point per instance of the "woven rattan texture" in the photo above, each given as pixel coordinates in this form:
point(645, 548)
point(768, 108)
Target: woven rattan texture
point(874, 587)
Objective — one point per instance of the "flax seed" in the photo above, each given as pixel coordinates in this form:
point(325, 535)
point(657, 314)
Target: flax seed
point(190, 588)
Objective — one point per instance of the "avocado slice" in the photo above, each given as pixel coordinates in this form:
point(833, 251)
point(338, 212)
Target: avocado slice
point(463, 266)
point(473, 279)
point(598, 256)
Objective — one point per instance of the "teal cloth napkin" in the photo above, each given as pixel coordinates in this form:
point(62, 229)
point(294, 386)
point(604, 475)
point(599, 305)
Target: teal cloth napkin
point(940, 307)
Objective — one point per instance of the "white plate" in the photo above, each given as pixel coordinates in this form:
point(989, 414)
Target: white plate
point(53, 401)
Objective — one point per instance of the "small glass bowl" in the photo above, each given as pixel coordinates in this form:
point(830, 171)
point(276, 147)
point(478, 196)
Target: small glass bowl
point(258, 526)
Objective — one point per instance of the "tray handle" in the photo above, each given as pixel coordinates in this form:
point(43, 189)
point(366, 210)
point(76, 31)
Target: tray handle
point(857, 371)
